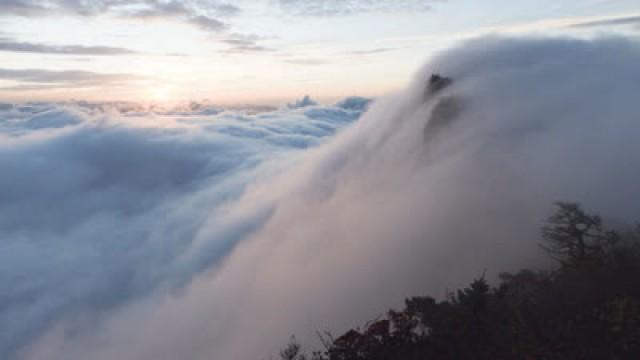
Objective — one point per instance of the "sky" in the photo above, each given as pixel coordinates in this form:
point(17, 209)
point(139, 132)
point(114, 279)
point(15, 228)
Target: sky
point(257, 51)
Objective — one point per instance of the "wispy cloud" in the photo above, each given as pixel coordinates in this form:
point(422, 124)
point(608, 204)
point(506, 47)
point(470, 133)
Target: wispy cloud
point(11, 45)
point(22, 8)
point(370, 51)
point(307, 61)
point(39, 79)
point(351, 7)
point(207, 23)
point(244, 43)
point(207, 16)
point(629, 20)
point(44, 8)
point(314, 61)
point(141, 8)
point(204, 15)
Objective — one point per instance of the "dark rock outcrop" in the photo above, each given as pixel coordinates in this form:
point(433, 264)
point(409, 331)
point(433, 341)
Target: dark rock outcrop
point(446, 110)
point(437, 83)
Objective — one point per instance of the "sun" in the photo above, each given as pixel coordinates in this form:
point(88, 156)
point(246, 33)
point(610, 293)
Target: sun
point(160, 95)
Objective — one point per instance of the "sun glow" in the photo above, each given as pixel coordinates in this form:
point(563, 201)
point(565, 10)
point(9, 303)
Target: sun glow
point(161, 95)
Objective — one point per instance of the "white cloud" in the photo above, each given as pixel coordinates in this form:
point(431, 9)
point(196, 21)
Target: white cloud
point(100, 207)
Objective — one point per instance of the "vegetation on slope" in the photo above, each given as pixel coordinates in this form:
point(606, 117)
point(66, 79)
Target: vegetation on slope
point(586, 308)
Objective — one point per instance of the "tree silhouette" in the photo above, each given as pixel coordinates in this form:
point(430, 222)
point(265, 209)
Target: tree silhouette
point(572, 235)
point(292, 351)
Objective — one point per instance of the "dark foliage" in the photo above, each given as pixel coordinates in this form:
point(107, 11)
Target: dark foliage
point(587, 308)
point(575, 236)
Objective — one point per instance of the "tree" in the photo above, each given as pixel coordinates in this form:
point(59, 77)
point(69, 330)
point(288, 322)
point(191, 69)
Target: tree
point(573, 235)
point(292, 351)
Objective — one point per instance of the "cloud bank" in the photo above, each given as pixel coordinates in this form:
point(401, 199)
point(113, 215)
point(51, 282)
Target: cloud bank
point(100, 206)
point(164, 237)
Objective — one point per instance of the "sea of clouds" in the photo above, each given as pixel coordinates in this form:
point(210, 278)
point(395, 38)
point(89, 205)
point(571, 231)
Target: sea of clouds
point(101, 205)
point(218, 234)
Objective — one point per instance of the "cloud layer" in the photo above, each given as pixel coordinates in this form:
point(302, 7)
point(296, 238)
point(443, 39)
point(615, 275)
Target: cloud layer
point(101, 206)
point(173, 236)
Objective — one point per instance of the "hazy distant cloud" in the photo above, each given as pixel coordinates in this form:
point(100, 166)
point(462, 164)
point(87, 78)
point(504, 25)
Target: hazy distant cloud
point(23, 8)
point(160, 10)
point(227, 9)
point(207, 24)
point(243, 43)
point(43, 8)
point(38, 79)
point(204, 17)
point(370, 51)
point(310, 61)
point(11, 45)
point(118, 7)
point(349, 7)
point(307, 61)
point(630, 20)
